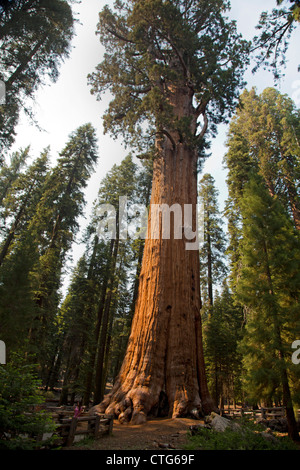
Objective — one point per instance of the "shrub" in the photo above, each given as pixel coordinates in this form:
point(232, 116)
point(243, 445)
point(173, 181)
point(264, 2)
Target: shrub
point(249, 437)
point(21, 419)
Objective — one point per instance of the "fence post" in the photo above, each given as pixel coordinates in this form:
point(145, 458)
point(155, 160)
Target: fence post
point(110, 426)
point(97, 425)
point(72, 430)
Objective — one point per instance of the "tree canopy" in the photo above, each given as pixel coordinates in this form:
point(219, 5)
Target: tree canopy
point(273, 41)
point(155, 47)
point(35, 37)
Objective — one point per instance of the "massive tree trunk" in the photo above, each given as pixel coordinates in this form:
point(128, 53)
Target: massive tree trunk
point(163, 369)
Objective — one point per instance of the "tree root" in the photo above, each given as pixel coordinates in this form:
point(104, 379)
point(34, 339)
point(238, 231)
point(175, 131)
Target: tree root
point(136, 405)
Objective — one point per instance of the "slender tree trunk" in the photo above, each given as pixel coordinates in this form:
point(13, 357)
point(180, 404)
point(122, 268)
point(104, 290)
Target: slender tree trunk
point(102, 340)
point(14, 227)
point(164, 358)
point(93, 353)
point(294, 202)
point(23, 65)
point(106, 354)
point(209, 264)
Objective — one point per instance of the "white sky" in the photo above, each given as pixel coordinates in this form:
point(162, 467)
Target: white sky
point(64, 106)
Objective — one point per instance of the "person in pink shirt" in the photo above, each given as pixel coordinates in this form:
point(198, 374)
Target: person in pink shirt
point(78, 409)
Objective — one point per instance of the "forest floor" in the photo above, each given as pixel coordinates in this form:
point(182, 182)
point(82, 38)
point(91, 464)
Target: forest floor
point(160, 433)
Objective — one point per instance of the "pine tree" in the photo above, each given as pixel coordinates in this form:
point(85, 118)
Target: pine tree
point(103, 285)
point(76, 318)
point(9, 173)
point(222, 330)
point(212, 262)
point(268, 285)
point(120, 181)
point(19, 253)
point(21, 202)
point(263, 139)
point(35, 36)
point(56, 222)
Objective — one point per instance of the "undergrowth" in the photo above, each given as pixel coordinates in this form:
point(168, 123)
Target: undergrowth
point(248, 437)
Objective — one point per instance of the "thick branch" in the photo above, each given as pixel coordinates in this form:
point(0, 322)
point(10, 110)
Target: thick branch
point(204, 127)
point(119, 36)
point(167, 134)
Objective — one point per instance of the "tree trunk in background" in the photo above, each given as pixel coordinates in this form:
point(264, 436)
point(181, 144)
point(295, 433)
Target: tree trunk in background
point(163, 369)
point(105, 322)
point(93, 352)
point(209, 265)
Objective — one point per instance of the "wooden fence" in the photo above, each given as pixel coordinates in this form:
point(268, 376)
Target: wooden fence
point(96, 426)
point(264, 413)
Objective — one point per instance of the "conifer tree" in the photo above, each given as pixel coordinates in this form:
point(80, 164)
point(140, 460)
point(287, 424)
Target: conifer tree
point(268, 285)
point(10, 172)
point(19, 253)
point(101, 281)
point(56, 223)
point(171, 67)
point(35, 36)
point(212, 261)
point(21, 202)
point(263, 139)
point(222, 331)
point(120, 181)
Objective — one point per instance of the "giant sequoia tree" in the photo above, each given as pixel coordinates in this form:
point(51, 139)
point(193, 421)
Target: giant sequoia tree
point(172, 67)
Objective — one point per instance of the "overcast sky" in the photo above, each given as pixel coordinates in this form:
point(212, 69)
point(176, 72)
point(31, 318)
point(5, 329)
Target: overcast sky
point(64, 106)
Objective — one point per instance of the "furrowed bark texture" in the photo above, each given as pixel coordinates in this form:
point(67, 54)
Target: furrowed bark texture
point(163, 369)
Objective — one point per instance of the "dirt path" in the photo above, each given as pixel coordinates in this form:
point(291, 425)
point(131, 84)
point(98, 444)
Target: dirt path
point(155, 434)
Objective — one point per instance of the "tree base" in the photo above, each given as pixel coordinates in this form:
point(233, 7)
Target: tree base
point(137, 406)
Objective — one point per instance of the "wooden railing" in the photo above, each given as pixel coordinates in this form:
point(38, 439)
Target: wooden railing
point(91, 425)
point(264, 413)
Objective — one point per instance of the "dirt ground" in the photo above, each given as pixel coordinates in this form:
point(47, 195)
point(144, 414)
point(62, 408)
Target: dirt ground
point(155, 434)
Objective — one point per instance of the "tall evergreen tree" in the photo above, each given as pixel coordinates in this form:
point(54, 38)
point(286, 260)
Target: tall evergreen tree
point(212, 261)
point(21, 202)
point(263, 139)
point(171, 67)
point(120, 181)
point(268, 284)
point(222, 334)
point(10, 172)
point(56, 222)
point(101, 282)
point(19, 253)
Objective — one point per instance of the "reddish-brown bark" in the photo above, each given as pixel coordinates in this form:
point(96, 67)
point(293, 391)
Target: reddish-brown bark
point(163, 369)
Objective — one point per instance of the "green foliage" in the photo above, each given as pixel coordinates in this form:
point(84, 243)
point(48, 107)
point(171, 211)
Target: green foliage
point(212, 252)
point(40, 211)
point(21, 421)
point(268, 286)
point(154, 50)
point(21, 200)
point(275, 29)
point(222, 333)
point(249, 437)
point(263, 139)
point(9, 172)
point(35, 36)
